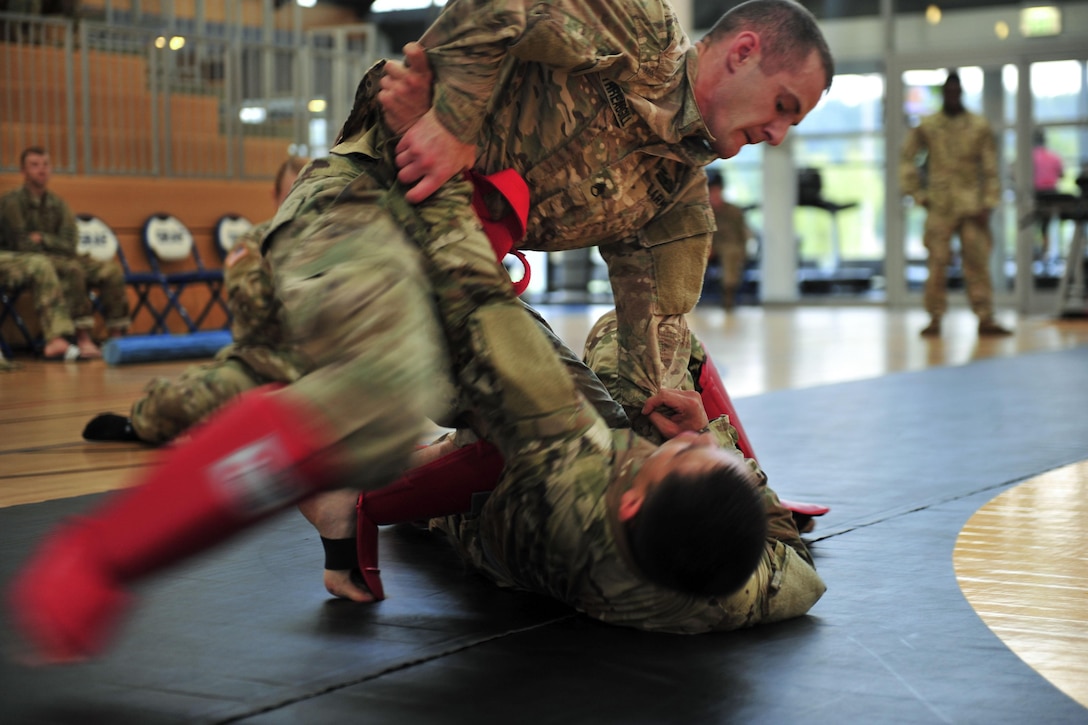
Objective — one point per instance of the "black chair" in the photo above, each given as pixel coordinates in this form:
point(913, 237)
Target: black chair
point(174, 257)
point(9, 299)
point(97, 239)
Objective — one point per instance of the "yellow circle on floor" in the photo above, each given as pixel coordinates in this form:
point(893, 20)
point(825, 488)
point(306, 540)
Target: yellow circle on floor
point(1021, 562)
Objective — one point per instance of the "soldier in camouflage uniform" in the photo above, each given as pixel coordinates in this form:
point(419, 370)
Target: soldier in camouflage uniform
point(730, 239)
point(257, 356)
point(586, 567)
point(609, 112)
point(555, 523)
point(35, 220)
point(358, 305)
point(962, 189)
point(35, 271)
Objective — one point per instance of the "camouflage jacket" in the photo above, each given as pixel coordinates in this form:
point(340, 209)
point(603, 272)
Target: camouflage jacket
point(960, 165)
point(21, 214)
point(591, 101)
point(547, 529)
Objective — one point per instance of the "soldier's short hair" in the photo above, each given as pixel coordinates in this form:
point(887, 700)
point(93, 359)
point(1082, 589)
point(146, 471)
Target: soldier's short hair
point(29, 151)
point(701, 535)
point(294, 164)
point(789, 34)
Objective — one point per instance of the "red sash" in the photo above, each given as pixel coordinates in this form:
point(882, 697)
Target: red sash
point(505, 233)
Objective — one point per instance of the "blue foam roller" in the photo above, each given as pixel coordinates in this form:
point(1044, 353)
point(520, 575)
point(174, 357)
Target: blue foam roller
point(152, 348)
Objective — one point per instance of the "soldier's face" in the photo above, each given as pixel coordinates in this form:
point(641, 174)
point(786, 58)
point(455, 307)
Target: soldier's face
point(952, 93)
point(742, 104)
point(688, 453)
point(36, 170)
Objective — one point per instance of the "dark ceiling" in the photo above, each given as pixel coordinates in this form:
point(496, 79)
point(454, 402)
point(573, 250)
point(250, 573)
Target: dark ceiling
point(707, 12)
point(404, 26)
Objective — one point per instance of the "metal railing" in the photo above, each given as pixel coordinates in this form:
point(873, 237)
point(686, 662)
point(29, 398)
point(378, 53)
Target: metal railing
point(104, 99)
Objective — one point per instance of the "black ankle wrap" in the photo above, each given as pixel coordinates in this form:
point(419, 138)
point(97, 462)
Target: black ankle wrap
point(340, 554)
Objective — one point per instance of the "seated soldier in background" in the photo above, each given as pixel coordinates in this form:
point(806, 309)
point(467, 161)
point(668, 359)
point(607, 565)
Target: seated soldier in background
point(34, 220)
point(257, 356)
point(35, 271)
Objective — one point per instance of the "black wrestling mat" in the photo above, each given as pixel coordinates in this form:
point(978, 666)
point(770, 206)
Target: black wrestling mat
point(245, 634)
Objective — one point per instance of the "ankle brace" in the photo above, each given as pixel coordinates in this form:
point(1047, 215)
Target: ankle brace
point(340, 554)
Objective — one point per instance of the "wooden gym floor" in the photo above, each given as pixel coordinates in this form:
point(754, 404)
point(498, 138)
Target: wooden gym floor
point(957, 473)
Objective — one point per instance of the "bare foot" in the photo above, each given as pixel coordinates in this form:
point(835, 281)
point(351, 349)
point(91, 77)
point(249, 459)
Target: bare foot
point(87, 348)
point(58, 348)
point(333, 515)
point(432, 451)
point(347, 584)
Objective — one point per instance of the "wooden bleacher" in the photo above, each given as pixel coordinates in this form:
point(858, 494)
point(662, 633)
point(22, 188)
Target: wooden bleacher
point(34, 111)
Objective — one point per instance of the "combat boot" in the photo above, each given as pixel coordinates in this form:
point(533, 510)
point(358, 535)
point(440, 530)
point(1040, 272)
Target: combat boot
point(989, 328)
point(933, 329)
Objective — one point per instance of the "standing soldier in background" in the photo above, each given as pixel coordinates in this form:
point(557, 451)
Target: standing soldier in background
point(730, 240)
point(258, 354)
point(962, 189)
point(35, 220)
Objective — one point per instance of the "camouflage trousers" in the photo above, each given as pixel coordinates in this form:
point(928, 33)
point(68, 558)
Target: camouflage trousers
point(170, 407)
point(79, 275)
point(585, 379)
point(975, 246)
point(339, 308)
point(601, 355)
point(34, 270)
point(357, 305)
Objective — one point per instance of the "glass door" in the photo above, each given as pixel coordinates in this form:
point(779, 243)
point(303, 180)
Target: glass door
point(1056, 201)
